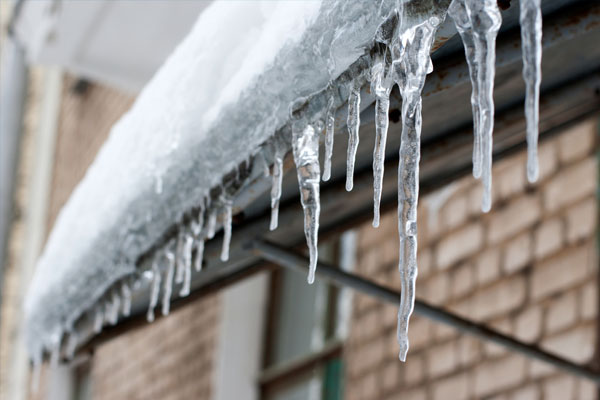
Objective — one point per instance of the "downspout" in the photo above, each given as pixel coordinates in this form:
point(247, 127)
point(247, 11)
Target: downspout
point(13, 91)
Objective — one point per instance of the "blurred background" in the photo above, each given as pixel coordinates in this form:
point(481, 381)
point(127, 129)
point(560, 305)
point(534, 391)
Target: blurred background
point(527, 269)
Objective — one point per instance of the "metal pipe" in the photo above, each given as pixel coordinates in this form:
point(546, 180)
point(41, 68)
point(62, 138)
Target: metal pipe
point(286, 258)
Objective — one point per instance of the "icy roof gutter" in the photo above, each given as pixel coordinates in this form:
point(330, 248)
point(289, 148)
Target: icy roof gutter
point(211, 107)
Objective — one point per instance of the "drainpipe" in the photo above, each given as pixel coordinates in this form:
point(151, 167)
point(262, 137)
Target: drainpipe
point(13, 90)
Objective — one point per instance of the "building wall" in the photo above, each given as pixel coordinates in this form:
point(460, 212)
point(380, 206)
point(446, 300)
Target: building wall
point(528, 268)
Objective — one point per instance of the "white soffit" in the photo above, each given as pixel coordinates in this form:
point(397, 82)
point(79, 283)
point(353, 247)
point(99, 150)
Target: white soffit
point(120, 43)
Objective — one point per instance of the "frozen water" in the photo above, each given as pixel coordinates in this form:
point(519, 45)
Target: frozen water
point(276, 184)
point(353, 127)
point(228, 204)
point(199, 120)
point(531, 42)
point(305, 144)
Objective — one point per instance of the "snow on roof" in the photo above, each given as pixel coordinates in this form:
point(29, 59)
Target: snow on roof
point(222, 93)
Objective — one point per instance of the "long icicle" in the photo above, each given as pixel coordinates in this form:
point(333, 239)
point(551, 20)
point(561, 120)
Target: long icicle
point(180, 264)
point(154, 291)
point(531, 42)
point(305, 144)
point(188, 245)
point(228, 205)
point(329, 132)
point(353, 123)
point(168, 285)
point(381, 87)
point(458, 12)
point(415, 65)
point(276, 184)
point(486, 20)
point(126, 295)
point(197, 228)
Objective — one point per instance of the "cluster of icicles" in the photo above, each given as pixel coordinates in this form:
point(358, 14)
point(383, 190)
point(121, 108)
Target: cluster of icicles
point(404, 60)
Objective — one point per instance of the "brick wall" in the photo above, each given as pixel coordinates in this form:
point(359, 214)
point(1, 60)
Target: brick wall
point(528, 269)
point(172, 358)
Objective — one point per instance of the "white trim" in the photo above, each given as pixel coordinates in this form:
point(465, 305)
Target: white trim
point(240, 346)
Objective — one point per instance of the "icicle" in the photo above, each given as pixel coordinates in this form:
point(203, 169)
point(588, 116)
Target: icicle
point(329, 132)
point(531, 42)
point(55, 349)
point(411, 71)
point(381, 87)
point(154, 291)
point(458, 12)
point(353, 123)
point(197, 228)
point(305, 144)
point(98, 319)
point(71, 345)
point(212, 223)
point(126, 295)
point(168, 285)
point(485, 19)
point(228, 205)
point(180, 263)
point(115, 304)
point(276, 184)
point(187, 264)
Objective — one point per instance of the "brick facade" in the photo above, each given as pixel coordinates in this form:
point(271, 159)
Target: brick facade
point(528, 268)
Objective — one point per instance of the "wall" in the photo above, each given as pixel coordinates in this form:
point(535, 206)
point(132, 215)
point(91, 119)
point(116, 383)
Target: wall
point(528, 268)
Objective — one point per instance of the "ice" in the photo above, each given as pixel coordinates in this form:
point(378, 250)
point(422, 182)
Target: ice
point(410, 71)
point(198, 121)
point(212, 223)
point(381, 86)
point(353, 127)
point(305, 145)
point(180, 257)
point(36, 371)
point(531, 42)
point(329, 131)
point(126, 295)
point(187, 264)
point(277, 178)
point(228, 205)
point(168, 285)
point(98, 319)
point(72, 343)
point(458, 12)
point(154, 290)
point(114, 306)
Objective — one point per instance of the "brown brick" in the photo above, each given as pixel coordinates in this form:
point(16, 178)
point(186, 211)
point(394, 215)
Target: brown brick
point(517, 253)
point(510, 176)
point(455, 211)
point(548, 238)
point(493, 350)
point(425, 262)
point(548, 160)
point(498, 299)
point(516, 216)
point(576, 344)
point(559, 388)
point(586, 390)
point(571, 185)
point(459, 245)
point(438, 288)
point(589, 301)
point(528, 324)
point(561, 313)
point(539, 369)
point(561, 272)
point(455, 387)
point(487, 266)
point(494, 376)
point(468, 350)
point(415, 394)
point(441, 359)
point(529, 392)
point(581, 220)
point(463, 280)
point(414, 370)
point(391, 375)
point(577, 141)
point(419, 333)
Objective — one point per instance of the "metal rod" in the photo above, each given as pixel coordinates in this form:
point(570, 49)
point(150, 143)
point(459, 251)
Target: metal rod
point(338, 277)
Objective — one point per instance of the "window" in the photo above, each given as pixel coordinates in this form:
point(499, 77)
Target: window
point(306, 326)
